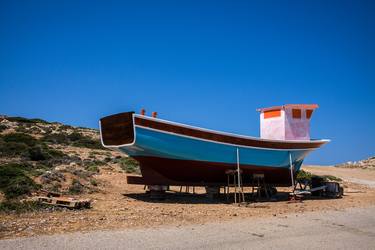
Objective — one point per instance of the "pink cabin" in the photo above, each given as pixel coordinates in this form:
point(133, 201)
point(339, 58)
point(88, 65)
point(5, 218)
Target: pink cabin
point(287, 122)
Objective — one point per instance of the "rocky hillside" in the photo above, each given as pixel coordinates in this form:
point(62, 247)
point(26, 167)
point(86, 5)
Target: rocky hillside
point(364, 164)
point(36, 154)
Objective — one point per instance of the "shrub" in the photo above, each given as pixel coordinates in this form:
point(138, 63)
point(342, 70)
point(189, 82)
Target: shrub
point(92, 168)
point(37, 154)
point(20, 138)
point(55, 187)
point(65, 127)
point(82, 173)
point(75, 136)
point(19, 186)
point(60, 138)
point(303, 175)
point(23, 145)
point(331, 178)
point(54, 153)
point(12, 149)
point(35, 130)
point(37, 172)
point(26, 120)
point(51, 176)
point(94, 182)
point(306, 176)
point(14, 182)
point(73, 139)
point(87, 142)
point(21, 129)
point(76, 187)
point(42, 152)
point(130, 165)
point(21, 207)
point(2, 127)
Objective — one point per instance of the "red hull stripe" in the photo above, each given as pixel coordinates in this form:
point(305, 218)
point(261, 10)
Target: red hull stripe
point(163, 171)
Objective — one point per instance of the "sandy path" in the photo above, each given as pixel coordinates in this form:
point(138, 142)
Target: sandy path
point(354, 175)
point(348, 229)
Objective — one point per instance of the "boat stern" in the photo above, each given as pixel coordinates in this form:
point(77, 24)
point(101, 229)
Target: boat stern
point(117, 130)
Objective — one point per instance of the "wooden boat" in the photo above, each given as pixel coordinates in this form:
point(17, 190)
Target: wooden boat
point(171, 153)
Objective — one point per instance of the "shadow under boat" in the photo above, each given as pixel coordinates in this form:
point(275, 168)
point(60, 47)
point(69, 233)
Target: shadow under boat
point(176, 197)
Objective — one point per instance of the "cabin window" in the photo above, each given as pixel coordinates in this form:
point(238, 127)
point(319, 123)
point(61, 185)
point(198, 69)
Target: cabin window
point(272, 113)
point(309, 113)
point(296, 113)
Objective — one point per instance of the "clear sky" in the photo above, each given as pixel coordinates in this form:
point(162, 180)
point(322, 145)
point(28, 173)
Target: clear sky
point(205, 63)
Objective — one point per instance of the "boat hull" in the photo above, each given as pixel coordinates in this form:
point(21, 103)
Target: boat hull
point(164, 171)
point(172, 154)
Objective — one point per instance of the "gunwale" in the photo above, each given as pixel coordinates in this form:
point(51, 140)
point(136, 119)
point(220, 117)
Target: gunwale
point(222, 137)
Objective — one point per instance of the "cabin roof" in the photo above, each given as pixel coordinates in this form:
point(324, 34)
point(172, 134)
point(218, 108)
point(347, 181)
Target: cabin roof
point(289, 106)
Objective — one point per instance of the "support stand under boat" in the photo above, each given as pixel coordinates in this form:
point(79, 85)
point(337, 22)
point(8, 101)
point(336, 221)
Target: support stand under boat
point(291, 170)
point(157, 192)
point(293, 195)
point(241, 196)
point(237, 181)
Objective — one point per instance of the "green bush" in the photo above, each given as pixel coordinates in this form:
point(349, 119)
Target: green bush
point(20, 138)
point(303, 175)
point(92, 168)
point(42, 152)
point(13, 149)
point(56, 138)
point(24, 145)
point(21, 129)
point(21, 207)
point(76, 187)
point(19, 186)
point(94, 182)
point(37, 153)
point(14, 182)
point(130, 165)
point(73, 139)
point(93, 165)
point(26, 120)
point(331, 178)
point(75, 136)
point(54, 153)
point(86, 142)
point(55, 187)
point(65, 127)
point(2, 127)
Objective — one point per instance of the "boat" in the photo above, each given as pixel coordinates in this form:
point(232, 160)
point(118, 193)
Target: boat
point(171, 153)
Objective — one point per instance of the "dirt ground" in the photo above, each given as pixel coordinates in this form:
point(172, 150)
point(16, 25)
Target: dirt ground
point(121, 206)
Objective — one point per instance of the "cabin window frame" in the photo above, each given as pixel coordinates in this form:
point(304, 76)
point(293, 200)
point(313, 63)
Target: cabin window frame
point(308, 113)
point(296, 113)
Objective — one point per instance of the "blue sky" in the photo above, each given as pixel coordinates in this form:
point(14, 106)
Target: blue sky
point(205, 63)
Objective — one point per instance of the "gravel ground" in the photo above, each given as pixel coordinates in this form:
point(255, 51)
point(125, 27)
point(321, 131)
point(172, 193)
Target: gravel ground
point(119, 206)
point(349, 229)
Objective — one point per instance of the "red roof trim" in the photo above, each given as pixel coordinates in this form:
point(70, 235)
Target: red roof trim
point(289, 106)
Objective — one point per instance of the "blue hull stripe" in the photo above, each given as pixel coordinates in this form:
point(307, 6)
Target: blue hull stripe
point(165, 145)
